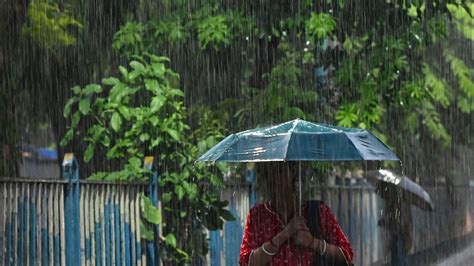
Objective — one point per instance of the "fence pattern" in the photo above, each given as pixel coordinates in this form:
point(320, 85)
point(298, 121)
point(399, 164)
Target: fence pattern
point(110, 224)
point(72, 222)
point(32, 226)
point(77, 222)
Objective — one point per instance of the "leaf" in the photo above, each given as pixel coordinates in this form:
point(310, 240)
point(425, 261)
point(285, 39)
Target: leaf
point(67, 137)
point(170, 240)
point(177, 92)
point(76, 89)
point(152, 85)
point(110, 81)
point(158, 69)
point(98, 176)
point(124, 72)
point(166, 197)
point(150, 212)
point(173, 133)
point(191, 190)
point(89, 153)
point(144, 137)
point(179, 190)
point(320, 25)
point(85, 106)
point(146, 233)
point(157, 102)
point(76, 118)
point(347, 115)
point(116, 122)
point(139, 67)
point(437, 88)
point(92, 88)
point(67, 107)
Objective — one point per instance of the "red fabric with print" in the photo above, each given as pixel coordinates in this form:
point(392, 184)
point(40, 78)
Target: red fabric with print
point(263, 223)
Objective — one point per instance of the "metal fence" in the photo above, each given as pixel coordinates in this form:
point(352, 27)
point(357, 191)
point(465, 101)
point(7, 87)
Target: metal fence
point(79, 222)
point(72, 222)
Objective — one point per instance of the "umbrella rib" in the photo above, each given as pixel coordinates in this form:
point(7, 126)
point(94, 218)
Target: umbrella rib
point(289, 139)
point(353, 145)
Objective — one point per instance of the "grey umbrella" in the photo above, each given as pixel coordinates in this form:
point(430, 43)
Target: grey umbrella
point(413, 192)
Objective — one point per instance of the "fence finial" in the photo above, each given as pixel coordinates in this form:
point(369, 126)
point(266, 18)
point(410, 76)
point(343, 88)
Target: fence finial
point(72, 214)
point(70, 167)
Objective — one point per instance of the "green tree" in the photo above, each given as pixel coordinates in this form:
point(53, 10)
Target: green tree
point(142, 113)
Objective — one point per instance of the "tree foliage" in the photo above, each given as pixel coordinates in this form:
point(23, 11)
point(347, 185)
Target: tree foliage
point(139, 113)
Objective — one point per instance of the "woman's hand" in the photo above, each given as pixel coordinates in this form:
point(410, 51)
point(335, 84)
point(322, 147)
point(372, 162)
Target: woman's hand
point(296, 224)
point(299, 232)
point(303, 238)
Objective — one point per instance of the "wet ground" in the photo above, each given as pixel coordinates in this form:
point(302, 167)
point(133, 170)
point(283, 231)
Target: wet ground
point(463, 257)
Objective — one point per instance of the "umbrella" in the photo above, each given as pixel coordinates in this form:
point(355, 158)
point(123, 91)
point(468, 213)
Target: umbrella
point(413, 192)
point(299, 140)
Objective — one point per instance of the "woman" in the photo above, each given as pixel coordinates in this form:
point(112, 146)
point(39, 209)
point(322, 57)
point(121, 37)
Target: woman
point(275, 233)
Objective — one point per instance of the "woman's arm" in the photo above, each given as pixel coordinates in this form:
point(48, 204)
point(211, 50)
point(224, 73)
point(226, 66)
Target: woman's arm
point(253, 254)
point(260, 257)
point(339, 247)
point(305, 239)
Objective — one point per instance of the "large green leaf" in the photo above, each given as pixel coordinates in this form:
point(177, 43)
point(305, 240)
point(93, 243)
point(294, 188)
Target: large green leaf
point(146, 233)
point(171, 240)
point(89, 153)
point(150, 212)
point(116, 121)
point(85, 106)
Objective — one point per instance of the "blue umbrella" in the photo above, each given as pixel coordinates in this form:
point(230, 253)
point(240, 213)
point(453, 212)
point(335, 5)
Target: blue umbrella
point(299, 140)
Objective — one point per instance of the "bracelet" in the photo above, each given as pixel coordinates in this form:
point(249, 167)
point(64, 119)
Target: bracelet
point(324, 248)
point(267, 252)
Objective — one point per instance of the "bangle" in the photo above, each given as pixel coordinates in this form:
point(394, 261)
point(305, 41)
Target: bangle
point(266, 251)
point(324, 248)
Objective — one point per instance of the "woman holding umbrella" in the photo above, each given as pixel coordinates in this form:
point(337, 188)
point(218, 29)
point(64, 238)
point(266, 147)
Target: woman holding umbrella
point(276, 234)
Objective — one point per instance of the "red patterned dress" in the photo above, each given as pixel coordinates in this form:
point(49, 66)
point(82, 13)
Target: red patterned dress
point(263, 223)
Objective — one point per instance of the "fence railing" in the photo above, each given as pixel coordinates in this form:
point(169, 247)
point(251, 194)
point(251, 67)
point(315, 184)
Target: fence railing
point(72, 221)
point(80, 222)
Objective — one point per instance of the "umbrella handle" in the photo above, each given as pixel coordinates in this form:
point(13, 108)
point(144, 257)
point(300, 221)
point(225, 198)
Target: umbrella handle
point(299, 185)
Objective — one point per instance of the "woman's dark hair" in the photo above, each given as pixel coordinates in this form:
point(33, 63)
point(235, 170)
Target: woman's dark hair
point(264, 170)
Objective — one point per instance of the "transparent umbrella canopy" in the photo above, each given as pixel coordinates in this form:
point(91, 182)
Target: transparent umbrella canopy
point(299, 140)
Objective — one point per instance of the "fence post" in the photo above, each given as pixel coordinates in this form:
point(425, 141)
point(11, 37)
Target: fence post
point(71, 212)
point(152, 247)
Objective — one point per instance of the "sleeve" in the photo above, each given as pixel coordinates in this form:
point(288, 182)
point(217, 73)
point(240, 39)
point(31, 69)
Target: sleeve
point(249, 243)
point(333, 233)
